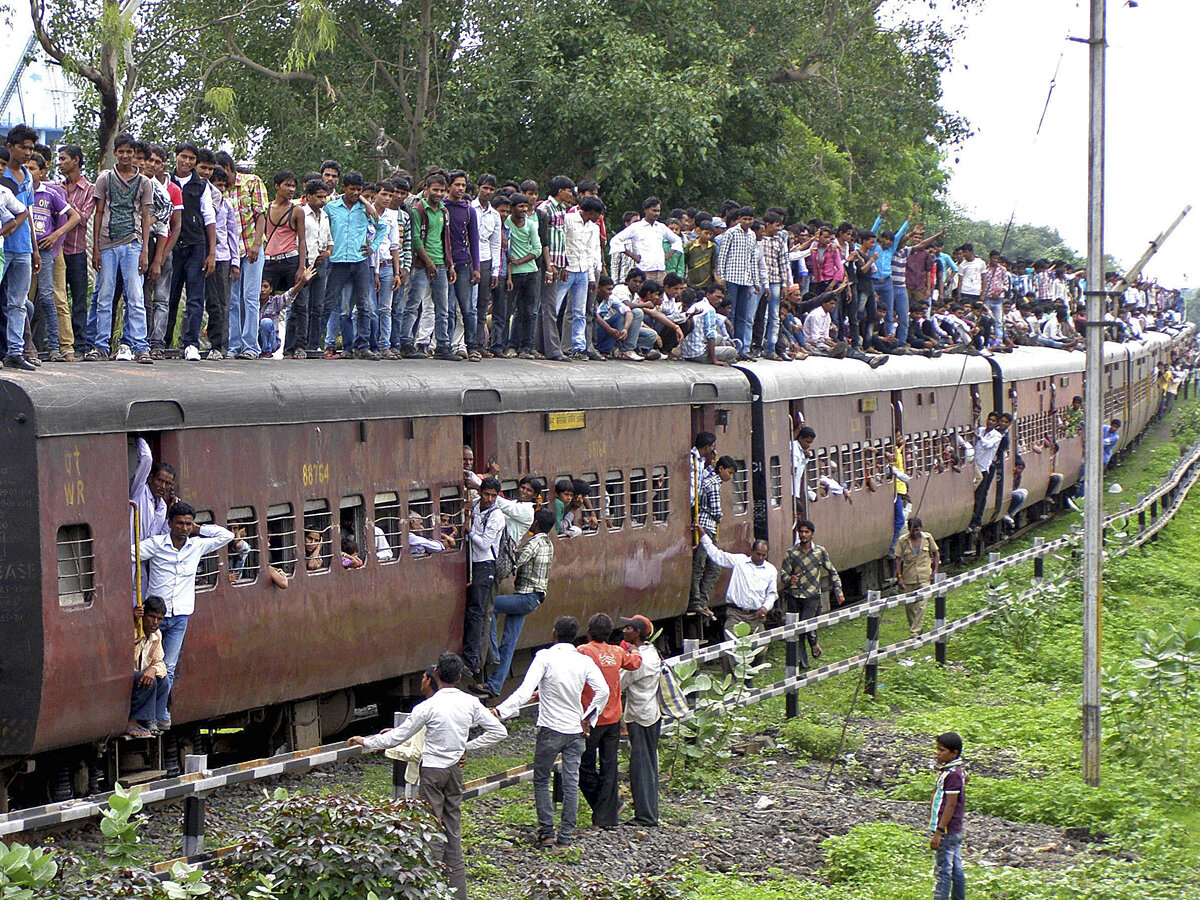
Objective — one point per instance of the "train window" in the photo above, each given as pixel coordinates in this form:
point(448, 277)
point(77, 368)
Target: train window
point(591, 524)
point(508, 488)
point(614, 499)
point(352, 521)
point(451, 515)
point(661, 481)
point(243, 563)
point(387, 533)
point(420, 519)
point(281, 538)
point(638, 497)
point(741, 488)
point(76, 565)
point(318, 527)
point(776, 481)
point(206, 572)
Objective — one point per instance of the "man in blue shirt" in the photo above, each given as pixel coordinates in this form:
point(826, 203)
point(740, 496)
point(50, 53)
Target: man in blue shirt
point(881, 280)
point(21, 258)
point(357, 233)
point(1110, 436)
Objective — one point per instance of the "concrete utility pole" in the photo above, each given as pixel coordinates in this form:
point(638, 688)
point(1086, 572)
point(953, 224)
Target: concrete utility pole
point(1093, 478)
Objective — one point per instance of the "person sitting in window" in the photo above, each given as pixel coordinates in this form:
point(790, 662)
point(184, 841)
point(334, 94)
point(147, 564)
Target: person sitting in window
point(148, 704)
point(418, 544)
point(313, 560)
point(350, 557)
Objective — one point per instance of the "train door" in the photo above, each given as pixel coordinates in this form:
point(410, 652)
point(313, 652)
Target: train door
point(479, 434)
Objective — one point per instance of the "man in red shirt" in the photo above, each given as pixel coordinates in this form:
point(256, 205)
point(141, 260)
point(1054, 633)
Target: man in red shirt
point(599, 784)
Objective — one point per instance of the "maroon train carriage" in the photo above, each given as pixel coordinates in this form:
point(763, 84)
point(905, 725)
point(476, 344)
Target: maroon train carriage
point(283, 449)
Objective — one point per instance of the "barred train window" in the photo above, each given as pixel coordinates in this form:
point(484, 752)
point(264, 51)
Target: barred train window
point(662, 493)
point(387, 520)
point(451, 514)
point(776, 481)
point(741, 488)
point(614, 499)
point(281, 537)
point(76, 565)
point(317, 521)
point(591, 525)
point(243, 563)
point(638, 494)
point(206, 572)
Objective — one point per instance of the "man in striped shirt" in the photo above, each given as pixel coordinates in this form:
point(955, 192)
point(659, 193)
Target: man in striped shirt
point(700, 344)
point(737, 266)
point(708, 518)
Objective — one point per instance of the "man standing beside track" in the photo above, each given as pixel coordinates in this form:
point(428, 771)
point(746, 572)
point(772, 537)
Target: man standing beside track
point(447, 717)
point(917, 561)
point(808, 573)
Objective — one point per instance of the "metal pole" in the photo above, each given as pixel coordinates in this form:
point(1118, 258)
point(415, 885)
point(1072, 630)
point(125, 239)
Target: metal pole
point(193, 809)
point(1039, 561)
point(939, 618)
point(791, 649)
point(871, 673)
point(1093, 513)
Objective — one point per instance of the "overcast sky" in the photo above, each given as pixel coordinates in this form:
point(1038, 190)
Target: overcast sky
point(1005, 62)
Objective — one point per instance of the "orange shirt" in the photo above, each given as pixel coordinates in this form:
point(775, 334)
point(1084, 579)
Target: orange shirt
point(611, 658)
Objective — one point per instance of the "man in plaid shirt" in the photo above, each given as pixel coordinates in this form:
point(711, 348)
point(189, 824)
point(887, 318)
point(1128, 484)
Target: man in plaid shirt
point(708, 517)
point(807, 574)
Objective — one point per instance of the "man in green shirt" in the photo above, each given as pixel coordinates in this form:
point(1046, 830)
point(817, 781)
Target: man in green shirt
point(430, 279)
point(524, 248)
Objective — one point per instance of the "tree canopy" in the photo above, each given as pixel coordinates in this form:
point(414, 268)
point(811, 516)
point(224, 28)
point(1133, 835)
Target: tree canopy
point(826, 107)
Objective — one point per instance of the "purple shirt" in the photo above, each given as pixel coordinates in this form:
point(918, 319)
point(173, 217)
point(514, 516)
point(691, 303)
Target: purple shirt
point(464, 233)
point(49, 211)
point(228, 228)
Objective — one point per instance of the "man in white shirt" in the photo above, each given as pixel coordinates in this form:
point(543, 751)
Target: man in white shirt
point(447, 717)
point(804, 436)
point(487, 526)
point(490, 230)
point(987, 444)
point(558, 674)
point(753, 587)
point(583, 266)
point(174, 558)
point(643, 720)
point(642, 241)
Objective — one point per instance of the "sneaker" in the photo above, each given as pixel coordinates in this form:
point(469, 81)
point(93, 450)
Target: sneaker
point(20, 363)
point(653, 355)
point(143, 357)
point(876, 361)
point(191, 353)
point(124, 354)
point(215, 354)
point(633, 356)
point(411, 353)
point(1010, 522)
point(446, 355)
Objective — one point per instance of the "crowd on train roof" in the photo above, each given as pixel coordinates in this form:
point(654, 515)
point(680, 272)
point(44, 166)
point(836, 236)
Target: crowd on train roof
point(183, 253)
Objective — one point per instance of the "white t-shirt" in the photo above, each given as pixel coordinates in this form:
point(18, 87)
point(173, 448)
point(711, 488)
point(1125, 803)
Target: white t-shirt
point(971, 273)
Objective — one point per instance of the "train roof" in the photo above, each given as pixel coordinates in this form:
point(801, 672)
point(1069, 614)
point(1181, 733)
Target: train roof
point(106, 398)
point(822, 377)
point(1039, 362)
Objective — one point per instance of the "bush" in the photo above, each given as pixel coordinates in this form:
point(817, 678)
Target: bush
point(338, 846)
point(816, 740)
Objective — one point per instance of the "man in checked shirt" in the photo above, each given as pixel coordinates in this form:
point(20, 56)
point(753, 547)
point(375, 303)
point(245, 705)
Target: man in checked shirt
point(807, 575)
point(708, 517)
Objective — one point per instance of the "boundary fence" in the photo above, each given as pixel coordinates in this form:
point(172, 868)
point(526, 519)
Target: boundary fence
point(1151, 512)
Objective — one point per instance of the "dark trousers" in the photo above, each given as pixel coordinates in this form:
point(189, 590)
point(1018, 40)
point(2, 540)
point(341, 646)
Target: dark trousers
point(598, 773)
point(667, 333)
point(149, 704)
point(479, 599)
point(442, 789)
point(483, 299)
point(981, 496)
point(523, 300)
point(643, 771)
point(357, 279)
point(760, 325)
point(297, 322)
point(704, 576)
point(318, 310)
point(77, 290)
point(806, 608)
point(498, 331)
point(281, 273)
point(216, 301)
point(187, 269)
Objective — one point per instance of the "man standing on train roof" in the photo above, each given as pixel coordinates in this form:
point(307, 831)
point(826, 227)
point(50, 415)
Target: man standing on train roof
point(174, 558)
point(447, 717)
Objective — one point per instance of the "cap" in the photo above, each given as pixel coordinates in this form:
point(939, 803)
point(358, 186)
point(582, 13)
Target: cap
point(641, 623)
point(718, 222)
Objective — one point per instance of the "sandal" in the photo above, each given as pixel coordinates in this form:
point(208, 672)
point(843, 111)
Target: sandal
point(474, 356)
point(157, 354)
point(136, 733)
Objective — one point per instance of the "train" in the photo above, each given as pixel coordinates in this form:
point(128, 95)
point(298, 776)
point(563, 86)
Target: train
point(280, 449)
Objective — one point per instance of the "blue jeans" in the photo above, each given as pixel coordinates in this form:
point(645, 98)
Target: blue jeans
point(636, 339)
point(883, 290)
point(123, 259)
point(741, 299)
point(996, 308)
point(897, 522)
point(149, 704)
point(575, 288)
point(549, 744)
point(950, 883)
point(423, 289)
point(351, 290)
point(771, 329)
point(18, 272)
point(45, 299)
point(268, 336)
point(900, 305)
point(466, 308)
point(243, 306)
point(383, 307)
point(514, 608)
point(318, 311)
point(172, 629)
point(391, 315)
